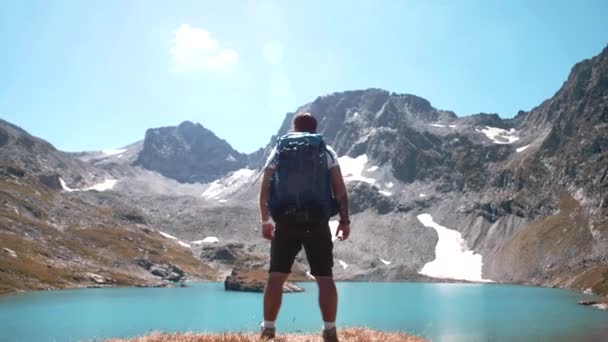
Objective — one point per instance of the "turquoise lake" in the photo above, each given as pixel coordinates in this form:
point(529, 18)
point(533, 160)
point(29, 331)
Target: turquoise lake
point(439, 312)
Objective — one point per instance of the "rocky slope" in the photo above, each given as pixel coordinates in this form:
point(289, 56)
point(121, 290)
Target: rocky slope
point(26, 152)
point(51, 238)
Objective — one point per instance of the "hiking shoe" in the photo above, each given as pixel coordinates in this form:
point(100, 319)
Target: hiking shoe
point(330, 335)
point(267, 334)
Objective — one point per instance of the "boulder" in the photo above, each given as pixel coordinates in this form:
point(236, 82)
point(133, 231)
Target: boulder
point(51, 181)
point(168, 272)
point(97, 279)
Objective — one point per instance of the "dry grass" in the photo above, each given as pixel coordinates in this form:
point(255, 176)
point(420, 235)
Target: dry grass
point(551, 238)
point(345, 335)
point(51, 258)
point(595, 278)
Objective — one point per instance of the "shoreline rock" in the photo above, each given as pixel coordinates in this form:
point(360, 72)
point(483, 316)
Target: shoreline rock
point(253, 281)
point(601, 304)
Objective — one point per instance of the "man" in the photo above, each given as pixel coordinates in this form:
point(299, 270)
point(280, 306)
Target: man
point(310, 230)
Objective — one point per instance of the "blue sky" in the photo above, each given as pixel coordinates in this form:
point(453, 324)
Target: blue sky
point(90, 75)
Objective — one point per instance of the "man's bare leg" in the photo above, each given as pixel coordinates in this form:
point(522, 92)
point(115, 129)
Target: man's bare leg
point(328, 298)
point(273, 295)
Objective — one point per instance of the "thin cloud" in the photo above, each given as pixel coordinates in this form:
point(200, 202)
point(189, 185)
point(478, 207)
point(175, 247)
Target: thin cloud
point(194, 50)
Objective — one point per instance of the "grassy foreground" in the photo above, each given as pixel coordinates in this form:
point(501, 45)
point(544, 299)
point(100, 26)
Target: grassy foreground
point(345, 335)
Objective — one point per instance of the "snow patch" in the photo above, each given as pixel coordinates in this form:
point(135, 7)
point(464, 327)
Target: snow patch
point(372, 169)
point(10, 252)
point(499, 135)
point(64, 186)
point(389, 184)
point(208, 239)
point(228, 184)
point(230, 158)
point(223, 201)
point(442, 125)
point(168, 236)
point(588, 291)
point(453, 259)
point(343, 264)
point(386, 262)
point(422, 195)
point(114, 152)
point(183, 244)
point(385, 193)
point(333, 227)
point(310, 275)
point(521, 149)
point(107, 184)
point(353, 167)
point(356, 114)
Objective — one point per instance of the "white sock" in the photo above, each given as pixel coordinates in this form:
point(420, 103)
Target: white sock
point(268, 324)
point(329, 325)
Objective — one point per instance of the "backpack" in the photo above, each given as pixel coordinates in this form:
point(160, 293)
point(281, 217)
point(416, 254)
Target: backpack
point(300, 187)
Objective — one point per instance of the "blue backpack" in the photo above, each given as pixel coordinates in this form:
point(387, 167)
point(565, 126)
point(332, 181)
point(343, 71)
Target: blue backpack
point(300, 187)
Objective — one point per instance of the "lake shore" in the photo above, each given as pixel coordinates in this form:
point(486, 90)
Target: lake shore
point(345, 335)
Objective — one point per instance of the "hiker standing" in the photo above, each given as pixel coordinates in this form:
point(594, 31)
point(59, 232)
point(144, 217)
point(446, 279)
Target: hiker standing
point(302, 188)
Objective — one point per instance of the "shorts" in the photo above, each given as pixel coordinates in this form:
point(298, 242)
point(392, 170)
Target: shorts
point(288, 241)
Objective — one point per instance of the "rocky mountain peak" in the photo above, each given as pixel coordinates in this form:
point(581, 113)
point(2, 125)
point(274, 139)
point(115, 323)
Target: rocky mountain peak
point(361, 121)
point(587, 84)
point(188, 153)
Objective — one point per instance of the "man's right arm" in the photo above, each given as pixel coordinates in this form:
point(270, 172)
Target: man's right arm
point(341, 197)
point(267, 226)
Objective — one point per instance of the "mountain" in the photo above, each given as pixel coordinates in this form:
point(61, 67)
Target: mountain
point(518, 200)
point(188, 153)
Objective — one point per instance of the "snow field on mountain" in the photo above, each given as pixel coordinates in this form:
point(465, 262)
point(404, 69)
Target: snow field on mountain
point(352, 168)
point(453, 259)
point(499, 135)
point(228, 184)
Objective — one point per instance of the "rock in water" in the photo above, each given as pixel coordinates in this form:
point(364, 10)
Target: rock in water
point(253, 281)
